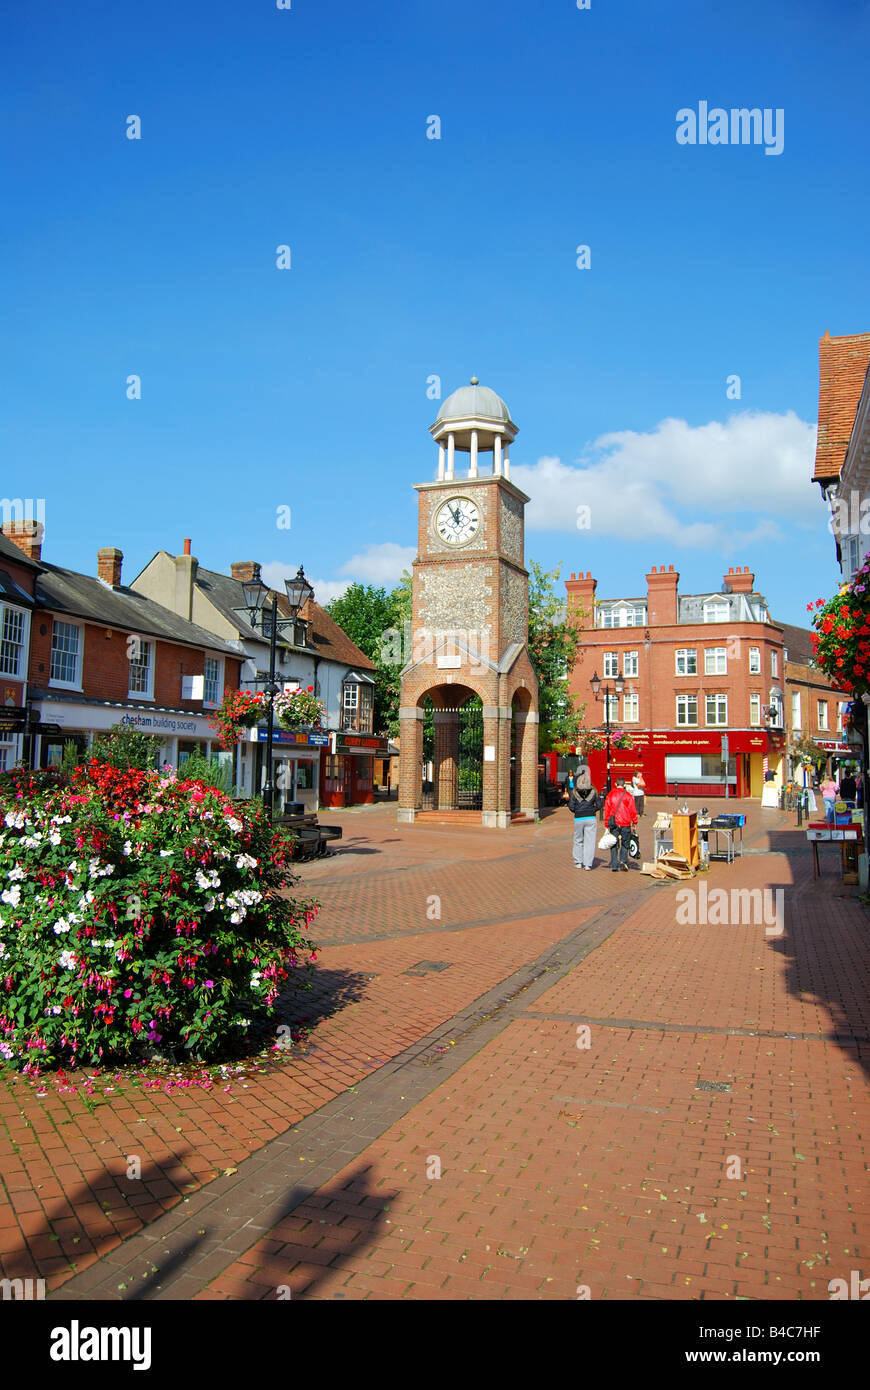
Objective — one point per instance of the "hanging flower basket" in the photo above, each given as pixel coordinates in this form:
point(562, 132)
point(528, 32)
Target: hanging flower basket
point(239, 709)
point(298, 709)
point(842, 636)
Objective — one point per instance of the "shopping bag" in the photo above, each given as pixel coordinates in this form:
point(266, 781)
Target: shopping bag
point(606, 840)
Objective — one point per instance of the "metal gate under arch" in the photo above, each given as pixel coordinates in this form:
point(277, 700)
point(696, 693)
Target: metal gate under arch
point(469, 764)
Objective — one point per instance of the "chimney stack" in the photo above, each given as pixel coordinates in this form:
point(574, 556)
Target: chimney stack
point(109, 565)
point(738, 581)
point(661, 589)
point(186, 566)
point(580, 589)
point(245, 570)
point(27, 536)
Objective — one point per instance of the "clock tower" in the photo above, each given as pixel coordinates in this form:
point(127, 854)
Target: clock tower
point(469, 699)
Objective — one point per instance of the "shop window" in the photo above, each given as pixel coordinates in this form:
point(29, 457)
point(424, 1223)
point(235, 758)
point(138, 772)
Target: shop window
point(687, 709)
point(304, 776)
point(141, 667)
point(755, 661)
point(66, 641)
point(12, 643)
point(717, 709)
point(629, 663)
point(686, 661)
point(715, 661)
point(334, 770)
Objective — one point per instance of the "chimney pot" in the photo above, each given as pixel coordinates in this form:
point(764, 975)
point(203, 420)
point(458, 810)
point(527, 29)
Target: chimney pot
point(187, 545)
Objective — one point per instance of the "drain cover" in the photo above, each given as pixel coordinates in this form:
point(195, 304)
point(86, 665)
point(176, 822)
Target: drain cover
point(713, 1086)
point(425, 967)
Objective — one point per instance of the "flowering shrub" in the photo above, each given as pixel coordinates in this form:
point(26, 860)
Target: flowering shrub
point(136, 909)
point(842, 636)
point(298, 709)
point(239, 709)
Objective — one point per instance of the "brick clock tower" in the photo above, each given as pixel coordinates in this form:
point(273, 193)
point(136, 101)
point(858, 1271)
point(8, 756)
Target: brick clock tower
point(468, 659)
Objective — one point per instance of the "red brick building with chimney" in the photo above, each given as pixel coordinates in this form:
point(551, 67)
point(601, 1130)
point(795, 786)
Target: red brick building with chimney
point(695, 667)
point(101, 654)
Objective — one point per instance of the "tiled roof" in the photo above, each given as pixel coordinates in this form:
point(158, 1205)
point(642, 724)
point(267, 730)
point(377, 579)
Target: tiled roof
point(11, 552)
point(842, 368)
point(796, 641)
point(82, 596)
point(328, 640)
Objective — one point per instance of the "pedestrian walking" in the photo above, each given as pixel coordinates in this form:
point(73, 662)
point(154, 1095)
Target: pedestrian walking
point(584, 803)
point(638, 791)
point(829, 796)
point(619, 817)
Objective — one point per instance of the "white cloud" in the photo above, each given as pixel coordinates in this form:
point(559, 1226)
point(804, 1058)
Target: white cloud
point(639, 486)
point(381, 565)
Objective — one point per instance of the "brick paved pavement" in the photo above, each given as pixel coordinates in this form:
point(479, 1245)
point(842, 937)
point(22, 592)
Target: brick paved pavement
point(605, 1166)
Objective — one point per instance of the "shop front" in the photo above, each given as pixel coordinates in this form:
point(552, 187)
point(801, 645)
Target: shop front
point(692, 762)
point(296, 759)
point(347, 772)
point(176, 733)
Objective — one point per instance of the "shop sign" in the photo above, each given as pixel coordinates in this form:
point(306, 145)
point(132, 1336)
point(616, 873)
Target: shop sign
point(359, 743)
point(13, 719)
point(831, 745)
point(291, 736)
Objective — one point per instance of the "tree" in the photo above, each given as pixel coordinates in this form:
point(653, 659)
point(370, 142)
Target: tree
point(554, 639)
point(374, 620)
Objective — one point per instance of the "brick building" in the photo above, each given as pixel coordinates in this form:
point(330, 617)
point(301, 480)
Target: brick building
point(18, 571)
point(696, 667)
point(102, 655)
point(332, 766)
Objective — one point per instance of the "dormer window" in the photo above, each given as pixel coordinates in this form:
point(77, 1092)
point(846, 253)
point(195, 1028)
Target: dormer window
point(716, 611)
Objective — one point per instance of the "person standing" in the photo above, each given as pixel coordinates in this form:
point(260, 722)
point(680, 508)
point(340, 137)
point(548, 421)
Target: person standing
point(620, 815)
point(829, 796)
point(638, 790)
point(848, 788)
point(584, 803)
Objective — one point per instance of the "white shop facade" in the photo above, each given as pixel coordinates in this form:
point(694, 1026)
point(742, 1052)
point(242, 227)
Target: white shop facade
point(178, 733)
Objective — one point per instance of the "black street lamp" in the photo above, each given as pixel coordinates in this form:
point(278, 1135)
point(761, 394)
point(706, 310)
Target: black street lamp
point(605, 696)
point(299, 591)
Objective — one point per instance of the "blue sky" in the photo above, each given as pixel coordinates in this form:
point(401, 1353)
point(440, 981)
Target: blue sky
point(413, 257)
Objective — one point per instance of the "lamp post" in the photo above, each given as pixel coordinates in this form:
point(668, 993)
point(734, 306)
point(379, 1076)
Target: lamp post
point(604, 693)
point(256, 592)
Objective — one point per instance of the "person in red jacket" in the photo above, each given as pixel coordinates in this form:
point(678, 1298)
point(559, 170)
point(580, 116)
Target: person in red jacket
point(620, 814)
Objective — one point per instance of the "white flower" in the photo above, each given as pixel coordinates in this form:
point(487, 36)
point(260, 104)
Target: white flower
point(242, 1022)
point(67, 960)
point(55, 1008)
point(128, 846)
point(17, 819)
point(54, 838)
point(236, 917)
point(73, 867)
point(15, 873)
point(2, 949)
point(31, 841)
point(209, 905)
point(209, 879)
point(166, 854)
point(234, 824)
point(61, 820)
point(6, 1051)
point(96, 872)
point(12, 896)
point(86, 898)
point(245, 861)
point(255, 979)
point(61, 925)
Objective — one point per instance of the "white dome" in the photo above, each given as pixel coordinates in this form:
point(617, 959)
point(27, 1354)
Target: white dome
point(474, 402)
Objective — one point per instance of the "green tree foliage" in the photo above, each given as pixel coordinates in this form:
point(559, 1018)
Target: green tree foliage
point(124, 747)
point(374, 619)
point(554, 639)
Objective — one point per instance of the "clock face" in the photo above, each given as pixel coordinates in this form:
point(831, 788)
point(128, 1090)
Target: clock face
point(457, 520)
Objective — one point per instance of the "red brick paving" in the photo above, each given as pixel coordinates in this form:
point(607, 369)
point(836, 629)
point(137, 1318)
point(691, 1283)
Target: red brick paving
point(560, 1166)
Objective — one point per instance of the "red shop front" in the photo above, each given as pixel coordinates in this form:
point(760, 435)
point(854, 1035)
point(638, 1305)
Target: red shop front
point(688, 760)
point(346, 773)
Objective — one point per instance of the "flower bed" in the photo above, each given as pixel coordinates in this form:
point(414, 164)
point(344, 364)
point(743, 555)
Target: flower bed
point(138, 909)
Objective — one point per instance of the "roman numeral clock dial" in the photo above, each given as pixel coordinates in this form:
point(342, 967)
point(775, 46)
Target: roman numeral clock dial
point(457, 521)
